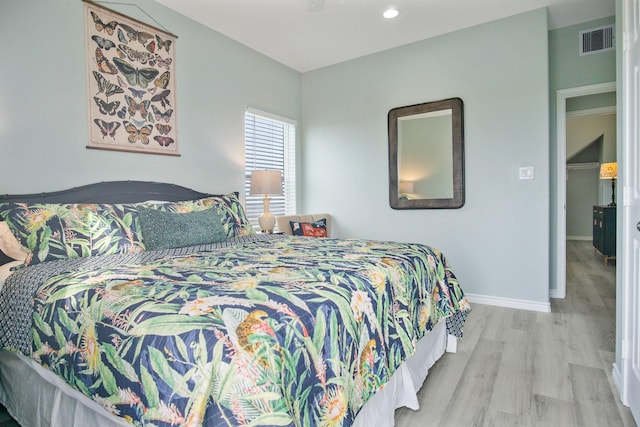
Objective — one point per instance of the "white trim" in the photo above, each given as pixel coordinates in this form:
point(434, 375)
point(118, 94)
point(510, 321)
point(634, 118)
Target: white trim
point(272, 116)
point(616, 377)
point(600, 111)
point(561, 172)
point(581, 166)
point(520, 304)
point(588, 238)
point(554, 294)
point(627, 304)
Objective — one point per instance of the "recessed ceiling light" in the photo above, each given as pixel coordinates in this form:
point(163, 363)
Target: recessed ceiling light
point(391, 13)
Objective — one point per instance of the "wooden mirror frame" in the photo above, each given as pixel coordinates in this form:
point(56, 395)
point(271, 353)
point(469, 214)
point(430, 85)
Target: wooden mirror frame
point(457, 122)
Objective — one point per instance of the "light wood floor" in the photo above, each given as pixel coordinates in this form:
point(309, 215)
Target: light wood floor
point(523, 368)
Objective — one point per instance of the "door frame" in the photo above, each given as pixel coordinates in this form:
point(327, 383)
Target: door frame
point(627, 295)
point(561, 173)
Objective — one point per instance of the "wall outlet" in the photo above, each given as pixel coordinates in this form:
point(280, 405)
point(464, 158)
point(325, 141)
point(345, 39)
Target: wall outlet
point(526, 172)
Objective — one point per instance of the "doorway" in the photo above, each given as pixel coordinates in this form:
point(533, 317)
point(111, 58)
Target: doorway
point(563, 98)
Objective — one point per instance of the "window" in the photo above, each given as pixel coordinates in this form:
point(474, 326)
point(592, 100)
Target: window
point(269, 144)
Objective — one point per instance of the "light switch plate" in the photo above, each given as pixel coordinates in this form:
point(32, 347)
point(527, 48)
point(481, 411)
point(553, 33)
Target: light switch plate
point(526, 172)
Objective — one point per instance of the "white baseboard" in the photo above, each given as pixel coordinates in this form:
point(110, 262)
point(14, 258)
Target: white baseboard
point(616, 377)
point(520, 304)
point(589, 238)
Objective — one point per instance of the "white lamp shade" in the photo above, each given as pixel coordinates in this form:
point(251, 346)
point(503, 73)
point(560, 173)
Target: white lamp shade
point(265, 182)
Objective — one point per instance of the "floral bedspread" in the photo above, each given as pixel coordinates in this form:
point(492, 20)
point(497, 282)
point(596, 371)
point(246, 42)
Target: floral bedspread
point(291, 331)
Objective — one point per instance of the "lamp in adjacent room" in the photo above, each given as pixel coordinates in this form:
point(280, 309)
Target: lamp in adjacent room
point(266, 182)
point(610, 171)
point(405, 188)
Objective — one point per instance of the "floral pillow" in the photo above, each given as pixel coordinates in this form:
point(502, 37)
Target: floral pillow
point(234, 219)
point(57, 231)
point(115, 229)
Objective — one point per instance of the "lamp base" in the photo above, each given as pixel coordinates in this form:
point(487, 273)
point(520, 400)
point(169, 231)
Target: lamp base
point(266, 220)
point(613, 192)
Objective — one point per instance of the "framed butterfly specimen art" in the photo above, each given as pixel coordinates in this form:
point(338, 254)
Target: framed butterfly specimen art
point(131, 83)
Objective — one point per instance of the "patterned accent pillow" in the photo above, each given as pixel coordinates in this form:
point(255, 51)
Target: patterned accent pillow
point(167, 230)
point(115, 229)
point(234, 219)
point(310, 229)
point(58, 231)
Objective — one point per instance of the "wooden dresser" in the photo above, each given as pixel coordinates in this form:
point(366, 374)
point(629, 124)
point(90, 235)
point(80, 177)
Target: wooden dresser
point(604, 231)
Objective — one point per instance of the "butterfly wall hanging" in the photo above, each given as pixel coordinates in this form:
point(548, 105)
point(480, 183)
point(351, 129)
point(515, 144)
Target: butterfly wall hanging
point(131, 83)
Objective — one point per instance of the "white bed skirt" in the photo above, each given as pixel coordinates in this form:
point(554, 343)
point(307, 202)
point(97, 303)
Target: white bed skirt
point(405, 383)
point(37, 397)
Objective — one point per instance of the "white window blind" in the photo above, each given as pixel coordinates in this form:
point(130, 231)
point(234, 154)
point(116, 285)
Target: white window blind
point(270, 144)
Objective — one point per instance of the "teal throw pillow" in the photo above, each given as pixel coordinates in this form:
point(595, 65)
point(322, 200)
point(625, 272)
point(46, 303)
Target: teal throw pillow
point(232, 215)
point(165, 230)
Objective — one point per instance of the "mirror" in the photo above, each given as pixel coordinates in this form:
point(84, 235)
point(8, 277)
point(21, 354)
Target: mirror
point(426, 155)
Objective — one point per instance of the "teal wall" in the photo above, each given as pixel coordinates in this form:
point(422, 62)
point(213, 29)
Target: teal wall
point(582, 194)
point(498, 243)
point(588, 102)
point(568, 70)
point(43, 102)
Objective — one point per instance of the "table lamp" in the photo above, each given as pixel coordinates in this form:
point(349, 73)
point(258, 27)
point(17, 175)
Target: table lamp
point(266, 182)
point(610, 171)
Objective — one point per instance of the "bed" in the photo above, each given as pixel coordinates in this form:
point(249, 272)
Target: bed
point(153, 304)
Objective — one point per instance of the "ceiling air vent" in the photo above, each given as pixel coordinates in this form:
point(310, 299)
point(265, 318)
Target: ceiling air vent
point(597, 40)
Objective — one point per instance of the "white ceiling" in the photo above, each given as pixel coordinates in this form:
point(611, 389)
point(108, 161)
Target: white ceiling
point(291, 32)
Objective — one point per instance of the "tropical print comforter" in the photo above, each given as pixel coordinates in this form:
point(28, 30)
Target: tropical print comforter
point(279, 332)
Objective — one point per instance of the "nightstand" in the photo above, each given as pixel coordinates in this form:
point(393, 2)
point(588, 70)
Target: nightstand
point(604, 231)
